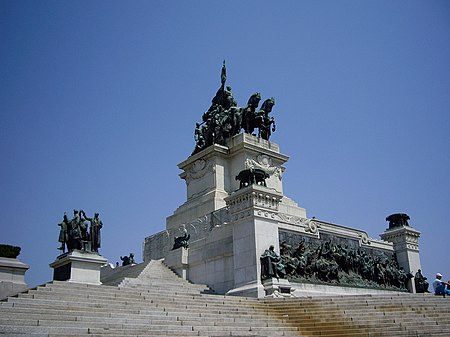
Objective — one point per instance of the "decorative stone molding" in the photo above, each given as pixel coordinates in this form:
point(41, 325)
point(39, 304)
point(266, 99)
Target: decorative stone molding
point(402, 238)
point(364, 239)
point(266, 214)
point(264, 163)
point(254, 200)
point(198, 170)
point(264, 160)
point(311, 226)
point(291, 219)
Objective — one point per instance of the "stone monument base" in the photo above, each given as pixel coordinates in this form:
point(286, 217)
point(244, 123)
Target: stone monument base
point(275, 287)
point(78, 266)
point(177, 260)
point(311, 290)
point(12, 277)
point(251, 289)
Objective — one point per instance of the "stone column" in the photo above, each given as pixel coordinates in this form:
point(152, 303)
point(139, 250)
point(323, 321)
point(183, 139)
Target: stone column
point(406, 248)
point(254, 214)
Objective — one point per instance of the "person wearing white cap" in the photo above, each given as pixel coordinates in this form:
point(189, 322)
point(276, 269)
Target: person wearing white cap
point(439, 286)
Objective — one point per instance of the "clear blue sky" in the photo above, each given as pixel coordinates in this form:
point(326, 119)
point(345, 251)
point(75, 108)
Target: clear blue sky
point(99, 100)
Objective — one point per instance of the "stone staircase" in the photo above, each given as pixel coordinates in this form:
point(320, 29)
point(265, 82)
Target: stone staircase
point(406, 314)
point(158, 303)
point(155, 274)
point(113, 277)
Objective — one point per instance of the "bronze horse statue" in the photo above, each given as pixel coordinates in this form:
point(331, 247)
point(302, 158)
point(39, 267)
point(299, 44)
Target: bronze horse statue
point(265, 122)
point(249, 115)
point(252, 119)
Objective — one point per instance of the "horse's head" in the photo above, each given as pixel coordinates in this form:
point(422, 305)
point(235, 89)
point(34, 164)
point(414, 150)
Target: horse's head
point(268, 105)
point(254, 99)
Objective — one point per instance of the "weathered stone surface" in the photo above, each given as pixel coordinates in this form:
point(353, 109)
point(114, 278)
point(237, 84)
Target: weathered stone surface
point(12, 277)
point(159, 303)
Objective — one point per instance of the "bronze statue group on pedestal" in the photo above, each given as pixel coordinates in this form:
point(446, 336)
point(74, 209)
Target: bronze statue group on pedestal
point(74, 234)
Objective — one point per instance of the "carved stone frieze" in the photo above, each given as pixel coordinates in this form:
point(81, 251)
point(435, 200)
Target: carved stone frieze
point(364, 239)
point(330, 259)
point(254, 198)
point(264, 163)
point(266, 214)
point(403, 238)
point(264, 160)
point(198, 170)
point(291, 219)
point(311, 226)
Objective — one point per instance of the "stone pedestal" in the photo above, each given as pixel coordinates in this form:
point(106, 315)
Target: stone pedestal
point(12, 277)
point(210, 174)
point(254, 214)
point(275, 287)
point(177, 260)
point(406, 247)
point(78, 266)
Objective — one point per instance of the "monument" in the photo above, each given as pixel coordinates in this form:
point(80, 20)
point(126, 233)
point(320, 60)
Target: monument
point(82, 261)
point(242, 235)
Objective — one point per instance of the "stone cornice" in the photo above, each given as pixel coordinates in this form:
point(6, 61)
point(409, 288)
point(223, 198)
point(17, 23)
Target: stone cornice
point(257, 145)
point(254, 200)
point(209, 152)
point(315, 226)
point(236, 145)
point(6, 262)
point(402, 237)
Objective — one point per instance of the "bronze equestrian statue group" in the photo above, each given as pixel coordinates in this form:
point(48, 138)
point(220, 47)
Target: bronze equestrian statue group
point(224, 118)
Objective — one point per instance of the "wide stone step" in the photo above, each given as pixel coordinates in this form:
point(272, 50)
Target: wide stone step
point(175, 325)
point(94, 302)
point(11, 318)
point(28, 330)
point(60, 291)
point(86, 316)
point(139, 301)
point(176, 314)
point(78, 331)
point(147, 306)
point(113, 322)
point(200, 302)
point(203, 316)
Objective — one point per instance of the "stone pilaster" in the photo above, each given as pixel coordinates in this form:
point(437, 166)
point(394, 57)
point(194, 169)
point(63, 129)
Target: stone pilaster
point(254, 217)
point(405, 240)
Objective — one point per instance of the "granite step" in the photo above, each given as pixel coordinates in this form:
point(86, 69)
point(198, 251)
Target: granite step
point(150, 305)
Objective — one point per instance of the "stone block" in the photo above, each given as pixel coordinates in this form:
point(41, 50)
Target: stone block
point(177, 260)
point(12, 277)
point(275, 287)
point(78, 266)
